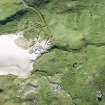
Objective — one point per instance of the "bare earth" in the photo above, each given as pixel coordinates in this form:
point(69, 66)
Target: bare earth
point(17, 60)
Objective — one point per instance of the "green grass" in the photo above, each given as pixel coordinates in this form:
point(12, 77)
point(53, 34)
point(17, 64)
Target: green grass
point(74, 25)
point(80, 81)
point(9, 7)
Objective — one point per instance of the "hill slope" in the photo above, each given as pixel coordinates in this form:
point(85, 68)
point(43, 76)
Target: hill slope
point(72, 71)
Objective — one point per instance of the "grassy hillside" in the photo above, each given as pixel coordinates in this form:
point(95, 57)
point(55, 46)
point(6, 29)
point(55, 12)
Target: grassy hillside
point(9, 7)
point(72, 71)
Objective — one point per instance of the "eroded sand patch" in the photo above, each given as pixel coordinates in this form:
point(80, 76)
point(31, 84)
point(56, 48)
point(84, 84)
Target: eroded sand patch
point(16, 59)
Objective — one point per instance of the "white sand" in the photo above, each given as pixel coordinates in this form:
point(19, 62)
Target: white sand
point(16, 60)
